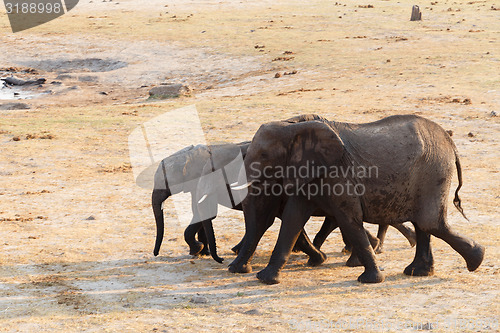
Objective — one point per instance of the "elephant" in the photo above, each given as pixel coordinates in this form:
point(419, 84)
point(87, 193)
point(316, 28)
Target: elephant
point(412, 160)
point(212, 191)
point(185, 171)
point(180, 172)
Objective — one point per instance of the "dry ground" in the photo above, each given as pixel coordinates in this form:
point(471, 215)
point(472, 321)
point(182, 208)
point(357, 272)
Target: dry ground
point(77, 234)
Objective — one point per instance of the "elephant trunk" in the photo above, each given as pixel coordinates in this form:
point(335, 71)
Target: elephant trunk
point(158, 196)
point(212, 246)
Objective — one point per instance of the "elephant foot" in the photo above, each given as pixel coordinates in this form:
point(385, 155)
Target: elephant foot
point(196, 248)
point(475, 257)
point(373, 276)
point(236, 248)
point(374, 242)
point(419, 268)
point(205, 251)
point(412, 240)
point(268, 276)
point(379, 249)
point(235, 268)
point(353, 261)
point(317, 260)
point(346, 250)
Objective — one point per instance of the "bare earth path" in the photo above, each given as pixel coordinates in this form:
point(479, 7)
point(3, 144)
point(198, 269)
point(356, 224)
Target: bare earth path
point(77, 234)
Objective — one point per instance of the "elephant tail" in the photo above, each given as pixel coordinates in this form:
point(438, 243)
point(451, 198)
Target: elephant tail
point(157, 199)
point(456, 201)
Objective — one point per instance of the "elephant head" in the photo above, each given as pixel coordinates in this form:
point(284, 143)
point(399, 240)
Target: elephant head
point(292, 153)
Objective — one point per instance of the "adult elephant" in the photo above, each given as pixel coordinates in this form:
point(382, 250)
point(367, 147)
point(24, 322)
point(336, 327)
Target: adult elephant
point(213, 190)
point(413, 157)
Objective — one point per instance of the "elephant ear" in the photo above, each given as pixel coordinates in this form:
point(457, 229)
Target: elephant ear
point(206, 193)
point(315, 147)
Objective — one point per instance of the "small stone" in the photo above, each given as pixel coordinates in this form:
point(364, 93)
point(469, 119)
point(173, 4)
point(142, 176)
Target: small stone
point(90, 218)
point(199, 300)
point(450, 132)
point(470, 135)
point(14, 106)
point(253, 312)
point(16, 138)
point(493, 114)
point(277, 75)
point(170, 91)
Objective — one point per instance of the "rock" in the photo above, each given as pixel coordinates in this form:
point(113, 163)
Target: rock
point(253, 312)
point(450, 132)
point(199, 300)
point(170, 91)
point(493, 114)
point(16, 138)
point(90, 218)
point(470, 135)
point(64, 77)
point(14, 106)
point(14, 81)
point(277, 75)
point(88, 78)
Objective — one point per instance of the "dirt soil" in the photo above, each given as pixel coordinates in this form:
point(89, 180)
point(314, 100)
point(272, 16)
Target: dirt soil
point(77, 234)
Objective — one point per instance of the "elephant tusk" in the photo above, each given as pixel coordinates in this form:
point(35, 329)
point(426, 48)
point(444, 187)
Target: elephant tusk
point(241, 187)
point(202, 198)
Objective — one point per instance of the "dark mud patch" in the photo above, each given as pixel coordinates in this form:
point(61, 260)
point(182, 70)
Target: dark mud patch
point(95, 65)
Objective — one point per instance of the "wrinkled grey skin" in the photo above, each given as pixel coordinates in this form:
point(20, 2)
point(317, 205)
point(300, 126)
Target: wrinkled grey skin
point(183, 170)
point(415, 158)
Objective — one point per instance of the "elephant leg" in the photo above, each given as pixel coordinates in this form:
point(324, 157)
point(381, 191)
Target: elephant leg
point(326, 229)
point(316, 257)
point(472, 252)
point(255, 227)
point(423, 264)
point(353, 260)
point(237, 247)
point(295, 216)
point(382, 231)
point(348, 246)
point(408, 233)
point(354, 232)
point(195, 247)
point(209, 230)
point(202, 237)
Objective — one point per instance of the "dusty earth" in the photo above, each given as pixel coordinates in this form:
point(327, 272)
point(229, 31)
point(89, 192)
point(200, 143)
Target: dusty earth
point(77, 234)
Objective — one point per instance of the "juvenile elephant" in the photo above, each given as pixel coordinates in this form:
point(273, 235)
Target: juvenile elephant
point(412, 159)
point(181, 172)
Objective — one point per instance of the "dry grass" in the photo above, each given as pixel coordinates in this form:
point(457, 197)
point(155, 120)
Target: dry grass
point(64, 271)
